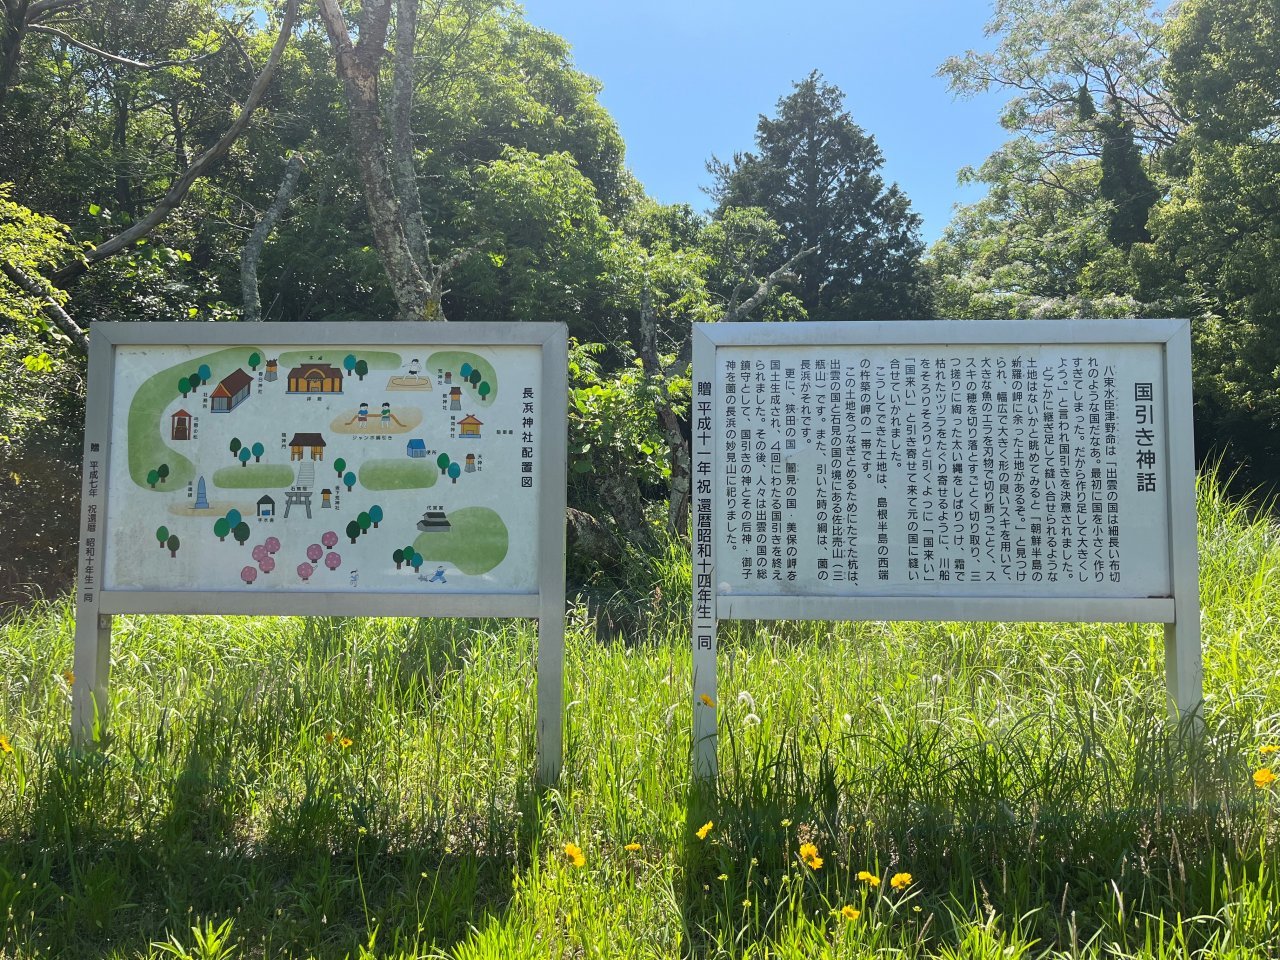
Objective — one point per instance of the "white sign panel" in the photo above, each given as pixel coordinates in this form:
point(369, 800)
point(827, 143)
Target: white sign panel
point(350, 469)
point(944, 470)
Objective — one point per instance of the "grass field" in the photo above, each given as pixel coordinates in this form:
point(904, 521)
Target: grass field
point(362, 789)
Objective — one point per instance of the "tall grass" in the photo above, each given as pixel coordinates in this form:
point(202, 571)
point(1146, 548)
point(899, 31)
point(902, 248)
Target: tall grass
point(361, 788)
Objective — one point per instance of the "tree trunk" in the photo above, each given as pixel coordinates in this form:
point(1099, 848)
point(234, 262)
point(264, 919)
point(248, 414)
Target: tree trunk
point(12, 32)
point(677, 443)
point(358, 67)
point(252, 307)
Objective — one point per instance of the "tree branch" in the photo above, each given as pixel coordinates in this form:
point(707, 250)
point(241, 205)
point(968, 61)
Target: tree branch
point(112, 57)
point(51, 307)
point(251, 305)
point(783, 273)
point(170, 201)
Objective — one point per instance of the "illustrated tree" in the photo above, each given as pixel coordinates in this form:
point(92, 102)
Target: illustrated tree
point(272, 544)
point(362, 369)
point(475, 378)
point(329, 539)
point(255, 358)
point(184, 386)
point(162, 472)
point(416, 561)
point(248, 575)
point(455, 471)
point(162, 534)
point(333, 561)
point(267, 564)
point(173, 543)
point(204, 373)
point(349, 478)
point(259, 552)
point(349, 363)
point(305, 570)
point(258, 451)
point(234, 518)
point(153, 477)
point(221, 527)
point(245, 455)
point(339, 466)
point(375, 514)
point(484, 389)
point(442, 462)
point(315, 552)
point(353, 530)
point(235, 446)
point(195, 380)
point(465, 371)
point(398, 556)
point(364, 521)
point(241, 532)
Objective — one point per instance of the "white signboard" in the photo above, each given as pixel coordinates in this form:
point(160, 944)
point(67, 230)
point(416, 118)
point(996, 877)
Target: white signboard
point(349, 469)
point(944, 470)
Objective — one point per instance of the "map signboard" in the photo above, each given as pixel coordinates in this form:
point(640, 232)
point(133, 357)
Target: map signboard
point(344, 469)
point(944, 470)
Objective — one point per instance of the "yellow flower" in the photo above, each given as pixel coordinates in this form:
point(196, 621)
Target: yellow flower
point(573, 853)
point(1269, 749)
point(723, 876)
point(345, 742)
point(69, 676)
point(5, 745)
point(705, 829)
point(1263, 778)
point(747, 902)
point(809, 854)
point(900, 881)
point(330, 736)
point(850, 913)
point(786, 822)
point(632, 847)
point(869, 878)
point(706, 700)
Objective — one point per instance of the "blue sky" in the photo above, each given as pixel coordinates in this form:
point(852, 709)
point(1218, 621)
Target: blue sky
point(688, 78)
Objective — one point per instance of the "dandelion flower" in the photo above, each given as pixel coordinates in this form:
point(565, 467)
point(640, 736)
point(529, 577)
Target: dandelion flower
point(1263, 778)
point(869, 878)
point(330, 736)
point(786, 822)
point(705, 829)
point(5, 745)
point(573, 853)
point(1269, 749)
point(850, 913)
point(900, 881)
point(706, 700)
point(747, 902)
point(632, 847)
point(809, 854)
point(69, 676)
point(345, 742)
point(723, 877)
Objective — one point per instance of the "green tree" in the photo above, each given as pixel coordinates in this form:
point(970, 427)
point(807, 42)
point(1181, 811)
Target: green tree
point(234, 446)
point(375, 515)
point(442, 462)
point(349, 478)
point(816, 174)
point(398, 556)
point(362, 369)
point(254, 359)
point(172, 543)
point(241, 532)
point(258, 450)
point(353, 530)
point(162, 534)
point(184, 386)
point(221, 527)
point(245, 454)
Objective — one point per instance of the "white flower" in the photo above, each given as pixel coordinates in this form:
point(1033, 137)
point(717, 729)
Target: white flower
point(746, 700)
point(751, 720)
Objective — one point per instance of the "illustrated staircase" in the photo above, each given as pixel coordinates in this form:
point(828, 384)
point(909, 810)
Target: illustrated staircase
point(306, 475)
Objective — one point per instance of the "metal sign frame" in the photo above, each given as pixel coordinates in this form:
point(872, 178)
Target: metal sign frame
point(1179, 612)
point(90, 694)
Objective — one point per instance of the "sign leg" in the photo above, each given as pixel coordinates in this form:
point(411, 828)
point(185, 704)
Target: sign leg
point(89, 691)
point(550, 693)
point(705, 702)
point(1183, 670)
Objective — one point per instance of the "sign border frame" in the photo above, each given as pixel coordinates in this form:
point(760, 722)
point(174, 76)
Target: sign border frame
point(1179, 612)
point(90, 691)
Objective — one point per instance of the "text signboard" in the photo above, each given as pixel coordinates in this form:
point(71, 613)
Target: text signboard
point(329, 469)
point(944, 470)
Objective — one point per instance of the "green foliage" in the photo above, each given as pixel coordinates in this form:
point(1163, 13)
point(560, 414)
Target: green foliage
point(32, 243)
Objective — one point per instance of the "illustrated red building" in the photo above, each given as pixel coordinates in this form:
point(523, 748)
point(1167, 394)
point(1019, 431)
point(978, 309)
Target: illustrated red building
point(230, 392)
point(180, 425)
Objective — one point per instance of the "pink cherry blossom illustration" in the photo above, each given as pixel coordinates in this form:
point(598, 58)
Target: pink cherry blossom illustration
point(315, 552)
point(267, 564)
point(305, 570)
point(259, 552)
point(272, 544)
point(333, 561)
point(248, 574)
point(330, 539)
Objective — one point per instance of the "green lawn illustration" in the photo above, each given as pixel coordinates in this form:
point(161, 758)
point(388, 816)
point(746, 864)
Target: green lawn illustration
point(145, 431)
point(376, 359)
point(400, 474)
point(253, 475)
point(475, 542)
point(453, 360)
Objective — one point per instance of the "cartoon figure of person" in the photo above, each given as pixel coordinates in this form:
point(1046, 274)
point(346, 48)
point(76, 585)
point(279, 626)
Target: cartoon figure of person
point(413, 367)
point(386, 414)
point(362, 416)
point(438, 576)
